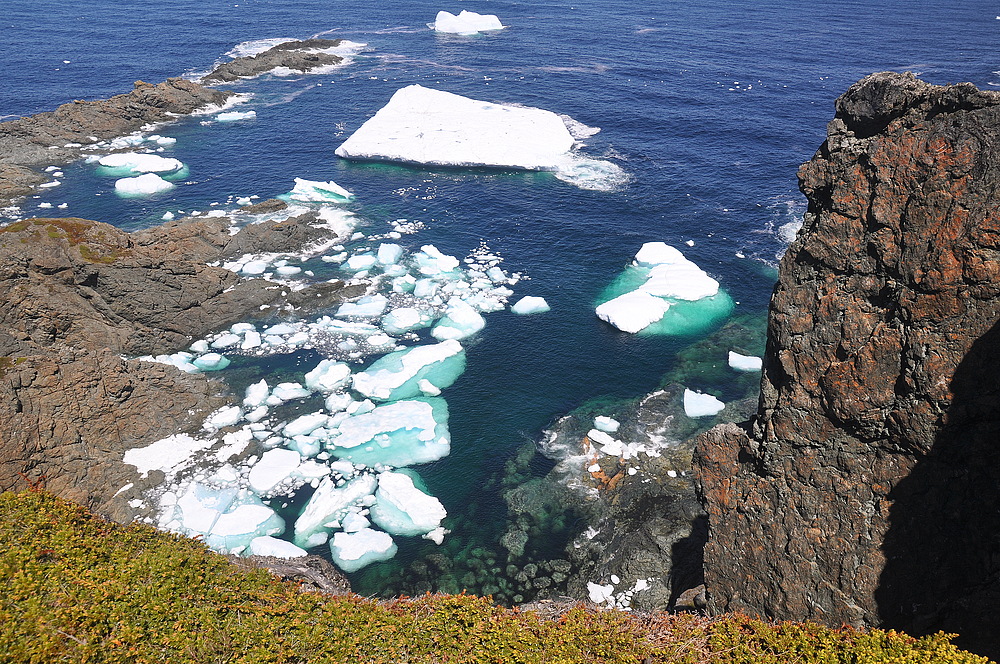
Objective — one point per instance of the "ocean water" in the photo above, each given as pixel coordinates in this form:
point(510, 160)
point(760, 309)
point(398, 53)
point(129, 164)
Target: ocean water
point(709, 108)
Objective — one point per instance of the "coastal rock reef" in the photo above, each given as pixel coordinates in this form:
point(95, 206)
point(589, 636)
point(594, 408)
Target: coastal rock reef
point(864, 490)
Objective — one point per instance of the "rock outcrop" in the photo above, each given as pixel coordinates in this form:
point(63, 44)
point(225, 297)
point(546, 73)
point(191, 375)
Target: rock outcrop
point(76, 298)
point(865, 489)
point(301, 56)
point(57, 137)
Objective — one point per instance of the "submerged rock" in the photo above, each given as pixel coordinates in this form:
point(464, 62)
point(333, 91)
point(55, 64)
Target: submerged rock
point(864, 490)
point(300, 56)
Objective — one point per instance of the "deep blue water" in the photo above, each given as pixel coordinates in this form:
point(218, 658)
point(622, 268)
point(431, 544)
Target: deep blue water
point(709, 106)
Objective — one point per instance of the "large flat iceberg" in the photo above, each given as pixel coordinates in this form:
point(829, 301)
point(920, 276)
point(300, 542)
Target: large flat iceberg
point(424, 126)
point(466, 23)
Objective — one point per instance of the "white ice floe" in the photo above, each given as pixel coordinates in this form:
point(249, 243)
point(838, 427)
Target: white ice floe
point(233, 116)
point(697, 404)
point(530, 304)
point(667, 277)
point(226, 519)
point(273, 468)
point(400, 433)
point(425, 126)
point(136, 162)
point(465, 23)
point(461, 320)
point(311, 191)
point(327, 506)
point(745, 362)
point(352, 551)
point(272, 546)
point(399, 375)
point(599, 593)
point(606, 424)
point(633, 311)
point(328, 376)
point(402, 509)
point(144, 185)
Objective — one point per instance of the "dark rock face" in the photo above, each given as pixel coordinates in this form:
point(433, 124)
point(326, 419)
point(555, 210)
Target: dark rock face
point(865, 489)
point(43, 138)
point(301, 56)
point(77, 295)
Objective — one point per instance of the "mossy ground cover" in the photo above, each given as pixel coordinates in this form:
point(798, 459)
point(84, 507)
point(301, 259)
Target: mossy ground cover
point(76, 588)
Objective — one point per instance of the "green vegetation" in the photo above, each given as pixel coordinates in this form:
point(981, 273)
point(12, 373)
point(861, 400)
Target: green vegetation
point(80, 589)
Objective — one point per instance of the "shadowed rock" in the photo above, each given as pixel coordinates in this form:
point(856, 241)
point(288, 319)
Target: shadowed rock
point(301, 56)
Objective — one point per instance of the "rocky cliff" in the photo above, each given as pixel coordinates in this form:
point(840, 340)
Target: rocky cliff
point(865, 489)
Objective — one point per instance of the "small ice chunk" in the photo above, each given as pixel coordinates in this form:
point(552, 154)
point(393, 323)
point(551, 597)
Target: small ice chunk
point(389, 253)
point(600, 593)
point(327, 376)
point(211, 362)
point(402, 509)
point(530, 305)
point(226, 416)
point(274, 547)
point(289, 391)
point(745, 362)
point(144, 185)
point(404, 319)
point(354, 522)
point(606, 424)
point(633, 311)
point(372, 305)
point(233, 116)
point(306, 191)
point(255, 267)
point(305, 424)
point(256, 394)
point(226, 340)
point(330, 503)
point(697, 404)
point(288, 270)
point(273, 467)
point(360, 262)
point(461, 321)
point(352, 551)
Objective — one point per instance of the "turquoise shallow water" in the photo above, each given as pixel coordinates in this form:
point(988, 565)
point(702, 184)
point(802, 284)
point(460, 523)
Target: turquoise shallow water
point(709, 107)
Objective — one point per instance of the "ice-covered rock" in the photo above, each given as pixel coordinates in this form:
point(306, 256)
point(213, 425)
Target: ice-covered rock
point(530, 304)
point(745, 362)
point(402, 509)
point(274, 547)
point(311, 191)
point(352, 551)
point(466, 23)
point(425, 126)
point(328, 505)
point(697, 404)
point(398, 375)
point(273, 468)
point(400, 433)
point(144, 185)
